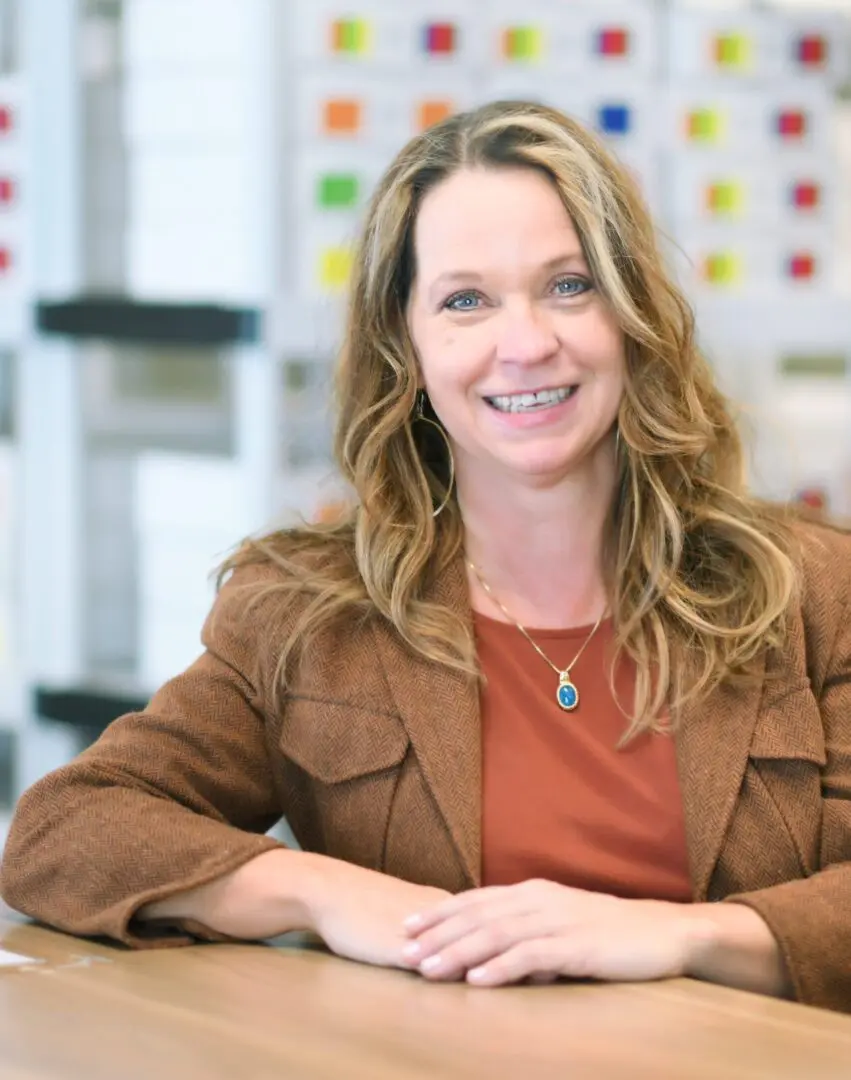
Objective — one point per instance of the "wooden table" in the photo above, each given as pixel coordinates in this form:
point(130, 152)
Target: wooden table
point(295, 1013)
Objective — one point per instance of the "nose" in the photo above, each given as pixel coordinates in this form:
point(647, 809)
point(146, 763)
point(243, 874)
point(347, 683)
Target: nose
point(526, 335)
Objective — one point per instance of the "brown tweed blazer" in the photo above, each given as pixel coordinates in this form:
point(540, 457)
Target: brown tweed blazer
point(375, 758)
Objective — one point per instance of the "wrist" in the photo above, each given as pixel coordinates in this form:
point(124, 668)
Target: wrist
point(316, 883)
point(731, 944)
point(702, 935)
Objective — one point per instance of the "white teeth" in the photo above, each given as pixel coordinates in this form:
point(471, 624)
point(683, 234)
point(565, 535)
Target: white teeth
point(544, 399)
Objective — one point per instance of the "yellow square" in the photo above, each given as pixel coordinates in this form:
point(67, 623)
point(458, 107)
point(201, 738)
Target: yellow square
point(725, 198)
point(722, 268)
point(733, 51)
point(335, 267)
point(705, 125)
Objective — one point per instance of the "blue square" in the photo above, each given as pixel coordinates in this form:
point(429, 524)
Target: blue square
point(614, 119)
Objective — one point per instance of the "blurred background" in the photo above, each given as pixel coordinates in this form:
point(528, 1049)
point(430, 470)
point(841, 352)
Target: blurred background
point(180, 182)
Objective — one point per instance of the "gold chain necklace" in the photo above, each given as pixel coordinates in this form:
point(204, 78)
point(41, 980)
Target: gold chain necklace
point(567, 694)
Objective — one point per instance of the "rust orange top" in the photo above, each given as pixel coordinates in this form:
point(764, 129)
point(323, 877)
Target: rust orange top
point(560, 801)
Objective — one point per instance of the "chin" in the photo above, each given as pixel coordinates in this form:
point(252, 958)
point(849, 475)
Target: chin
point(543, 470)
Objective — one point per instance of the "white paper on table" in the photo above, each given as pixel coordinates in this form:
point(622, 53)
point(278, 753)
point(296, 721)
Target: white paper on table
point(10, 959)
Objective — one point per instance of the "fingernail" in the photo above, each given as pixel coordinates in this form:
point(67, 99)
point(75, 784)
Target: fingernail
point(431, 963)
point(413, 921)
point(412, 951)
point(476, 974)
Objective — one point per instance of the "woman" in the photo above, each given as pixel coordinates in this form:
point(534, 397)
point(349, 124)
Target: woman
point(550, 690)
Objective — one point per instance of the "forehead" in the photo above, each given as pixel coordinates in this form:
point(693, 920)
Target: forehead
point(492, 213)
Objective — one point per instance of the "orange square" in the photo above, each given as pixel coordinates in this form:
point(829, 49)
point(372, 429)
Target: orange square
point(342, 116)
point(432, 112)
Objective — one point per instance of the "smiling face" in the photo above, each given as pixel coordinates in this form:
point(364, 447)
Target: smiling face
point(522, 360)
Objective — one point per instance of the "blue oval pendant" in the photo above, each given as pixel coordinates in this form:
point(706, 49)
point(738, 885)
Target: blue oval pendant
point(567, 695)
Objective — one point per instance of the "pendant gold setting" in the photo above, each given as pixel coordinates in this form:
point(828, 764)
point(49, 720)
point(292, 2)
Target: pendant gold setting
point(567, 695)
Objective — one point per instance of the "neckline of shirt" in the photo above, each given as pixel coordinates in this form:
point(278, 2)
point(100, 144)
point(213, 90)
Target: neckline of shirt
point(567, 633)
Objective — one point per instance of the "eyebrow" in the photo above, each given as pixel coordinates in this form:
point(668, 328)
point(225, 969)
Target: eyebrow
point(473, 276)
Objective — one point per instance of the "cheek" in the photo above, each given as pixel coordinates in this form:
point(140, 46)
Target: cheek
point(606, 347)
point(447, 358)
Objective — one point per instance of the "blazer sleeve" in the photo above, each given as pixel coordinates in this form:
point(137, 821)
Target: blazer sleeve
point(167, 799)
point(811, 917)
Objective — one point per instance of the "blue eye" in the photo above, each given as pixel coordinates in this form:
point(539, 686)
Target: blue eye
point(464, 301)
point(572, 286)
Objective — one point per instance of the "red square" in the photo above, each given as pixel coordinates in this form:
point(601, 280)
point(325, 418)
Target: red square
point(5, 260)
point(7, 190)
point(7, 119)
point(806, 195)
point(814, 498)
point(802, 266)
point(613, 42)
point(812, 50)
point(440, 38)
point(792, 124)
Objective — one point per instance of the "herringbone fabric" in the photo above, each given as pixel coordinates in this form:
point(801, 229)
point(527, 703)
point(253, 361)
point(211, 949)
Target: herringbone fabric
point(375, 758)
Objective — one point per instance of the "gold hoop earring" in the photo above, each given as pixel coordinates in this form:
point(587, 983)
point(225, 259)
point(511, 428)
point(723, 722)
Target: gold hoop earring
point(419, 414)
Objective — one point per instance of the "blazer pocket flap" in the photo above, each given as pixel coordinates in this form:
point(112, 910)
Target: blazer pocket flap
point(334, 741)
point(790, 728)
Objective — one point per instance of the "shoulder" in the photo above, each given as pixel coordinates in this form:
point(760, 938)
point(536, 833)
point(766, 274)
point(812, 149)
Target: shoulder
point(823, 556)
point(268, 582)
point(824, 562)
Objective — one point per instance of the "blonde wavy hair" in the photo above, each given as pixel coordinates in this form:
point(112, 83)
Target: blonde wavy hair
point(700, 574)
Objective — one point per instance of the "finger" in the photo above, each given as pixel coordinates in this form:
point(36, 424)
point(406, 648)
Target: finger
point(422, 920)
point(534, 957)
point(436, 939)
point(482, 905)
point(476, 947)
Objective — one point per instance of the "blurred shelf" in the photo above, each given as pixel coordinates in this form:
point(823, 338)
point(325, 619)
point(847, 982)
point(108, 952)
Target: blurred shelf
point(88, 707)
point(137, 322)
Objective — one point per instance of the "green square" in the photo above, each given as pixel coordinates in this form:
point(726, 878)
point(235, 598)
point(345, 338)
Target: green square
point(826, 365)
point(732, 50)
point(722, 268)
point(350, 36)
point(338, 190)
point(525, 42)
point(725, 198)
point(703, 124)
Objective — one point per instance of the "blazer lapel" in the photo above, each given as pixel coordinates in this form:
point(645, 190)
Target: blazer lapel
point(440, 711)
point(713, 740)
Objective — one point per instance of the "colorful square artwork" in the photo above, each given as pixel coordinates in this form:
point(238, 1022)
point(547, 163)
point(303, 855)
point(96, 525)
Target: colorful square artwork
point(440, 39)
point(732, 51)
point(335, 267)
point(614, 119)
point(791, 124)
point(801, 266)
point(725, 198)
point(811, 51)
point(522, 43)
point(350, 36)
point(613, 41)
point(337, 191)
point(342, 116)
point(704, 125)
point(722, 268)
point(430, 113)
